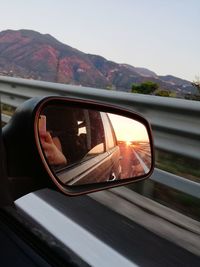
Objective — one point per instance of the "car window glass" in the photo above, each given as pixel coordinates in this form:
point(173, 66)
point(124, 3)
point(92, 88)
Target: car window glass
point(78, 133)
point(95, 133)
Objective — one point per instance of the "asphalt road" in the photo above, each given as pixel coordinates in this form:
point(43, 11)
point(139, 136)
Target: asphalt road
point(135, 160)
point(130, 239)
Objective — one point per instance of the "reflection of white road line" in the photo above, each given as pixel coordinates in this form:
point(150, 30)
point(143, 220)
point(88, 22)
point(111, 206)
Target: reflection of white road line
point(144, 166)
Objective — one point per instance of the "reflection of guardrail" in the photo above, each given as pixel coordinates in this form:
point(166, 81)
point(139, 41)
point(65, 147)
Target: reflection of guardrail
point(175, 122)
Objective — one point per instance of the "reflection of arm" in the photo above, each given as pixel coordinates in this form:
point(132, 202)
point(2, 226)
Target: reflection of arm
point(52, 149)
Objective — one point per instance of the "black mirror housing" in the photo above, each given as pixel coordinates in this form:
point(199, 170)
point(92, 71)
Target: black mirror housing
point(22, 136)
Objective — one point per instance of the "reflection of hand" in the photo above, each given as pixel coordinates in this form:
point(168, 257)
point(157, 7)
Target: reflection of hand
point(52, 149)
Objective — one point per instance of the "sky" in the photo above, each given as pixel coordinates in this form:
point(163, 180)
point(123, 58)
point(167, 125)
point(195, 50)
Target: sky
point(128, 129)
point(161, 35)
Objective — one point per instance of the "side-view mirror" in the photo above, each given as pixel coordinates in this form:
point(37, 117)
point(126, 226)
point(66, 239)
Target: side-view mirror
point(84, 146)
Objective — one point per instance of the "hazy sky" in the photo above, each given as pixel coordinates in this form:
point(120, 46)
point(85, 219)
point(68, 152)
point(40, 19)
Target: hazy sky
point(128, 129)
point(162, 35)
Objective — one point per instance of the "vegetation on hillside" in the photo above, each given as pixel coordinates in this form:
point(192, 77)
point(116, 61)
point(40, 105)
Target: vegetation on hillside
point(153, 88)
point(196, 83)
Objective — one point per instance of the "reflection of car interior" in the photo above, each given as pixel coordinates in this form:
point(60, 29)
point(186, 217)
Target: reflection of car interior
point(88, 142)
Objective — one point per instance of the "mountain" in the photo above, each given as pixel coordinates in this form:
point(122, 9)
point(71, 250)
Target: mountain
point(29, 54)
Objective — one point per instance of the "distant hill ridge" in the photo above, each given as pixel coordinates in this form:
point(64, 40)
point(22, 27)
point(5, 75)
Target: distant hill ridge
point(29, 54)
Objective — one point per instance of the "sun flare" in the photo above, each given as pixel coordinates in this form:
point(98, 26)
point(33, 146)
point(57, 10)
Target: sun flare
point(128, 143)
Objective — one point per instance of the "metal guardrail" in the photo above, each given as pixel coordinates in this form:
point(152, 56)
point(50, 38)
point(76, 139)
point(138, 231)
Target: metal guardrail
point(175, 122)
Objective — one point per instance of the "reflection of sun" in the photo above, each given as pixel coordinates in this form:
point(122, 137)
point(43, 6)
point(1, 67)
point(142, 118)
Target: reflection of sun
point(128, 143)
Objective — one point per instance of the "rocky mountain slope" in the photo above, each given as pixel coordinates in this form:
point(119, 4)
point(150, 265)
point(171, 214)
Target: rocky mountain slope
point(29, 54)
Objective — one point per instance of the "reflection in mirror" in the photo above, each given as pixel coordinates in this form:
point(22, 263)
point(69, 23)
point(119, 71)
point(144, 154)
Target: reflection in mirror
point(83, 146)
point(133, 141)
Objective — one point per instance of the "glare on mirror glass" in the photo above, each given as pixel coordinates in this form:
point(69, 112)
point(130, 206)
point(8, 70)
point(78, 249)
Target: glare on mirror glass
point(84, 146)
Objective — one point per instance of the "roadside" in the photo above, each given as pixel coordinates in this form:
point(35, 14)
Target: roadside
point(161, 220)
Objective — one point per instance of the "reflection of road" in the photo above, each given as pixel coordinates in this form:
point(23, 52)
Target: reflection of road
point(136, 159)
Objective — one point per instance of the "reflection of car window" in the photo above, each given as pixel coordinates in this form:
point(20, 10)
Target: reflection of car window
point(61, 122)
point(95, 132)
point(80, 132)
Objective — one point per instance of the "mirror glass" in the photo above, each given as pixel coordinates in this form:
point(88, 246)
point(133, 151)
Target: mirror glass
point(85, 146)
